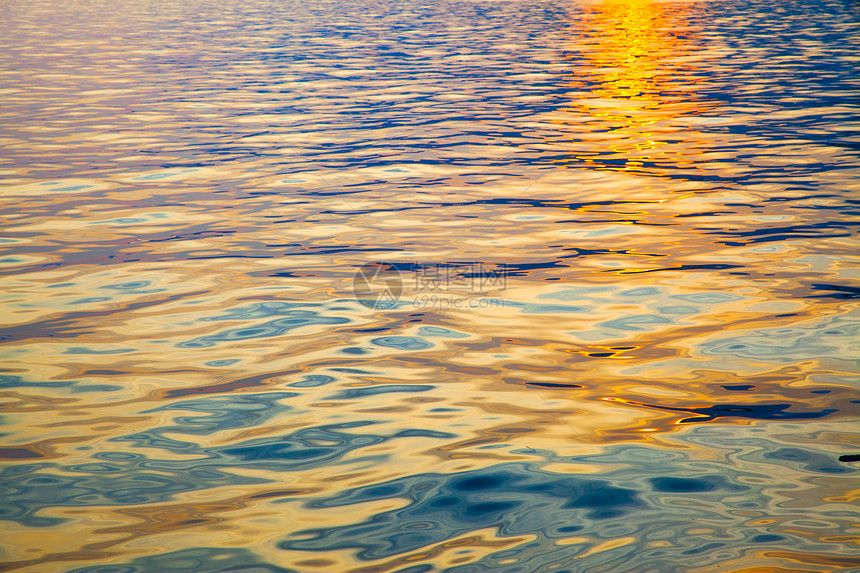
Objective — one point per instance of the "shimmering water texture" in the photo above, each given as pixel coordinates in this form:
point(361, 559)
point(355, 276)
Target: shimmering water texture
point(644, 359)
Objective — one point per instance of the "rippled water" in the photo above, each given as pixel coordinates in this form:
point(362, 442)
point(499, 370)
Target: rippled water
point(626, 237)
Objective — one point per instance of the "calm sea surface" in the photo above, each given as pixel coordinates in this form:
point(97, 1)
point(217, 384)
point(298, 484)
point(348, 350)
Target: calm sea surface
point(411, 286)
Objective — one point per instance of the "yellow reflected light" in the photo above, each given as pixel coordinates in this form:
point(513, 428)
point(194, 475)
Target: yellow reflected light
point(632, 80)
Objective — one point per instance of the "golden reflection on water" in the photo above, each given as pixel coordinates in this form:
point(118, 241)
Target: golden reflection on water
point(633, 62)
point(190, 384)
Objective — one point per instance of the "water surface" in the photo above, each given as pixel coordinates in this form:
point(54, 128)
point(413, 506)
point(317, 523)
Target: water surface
point(626, 235)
